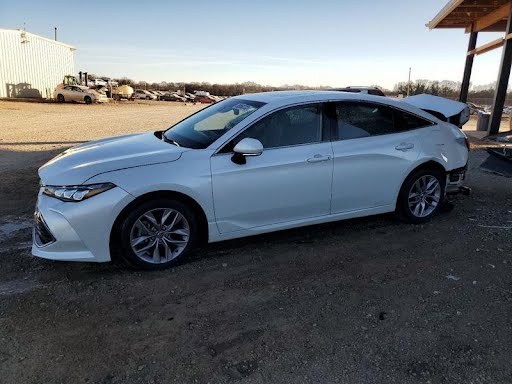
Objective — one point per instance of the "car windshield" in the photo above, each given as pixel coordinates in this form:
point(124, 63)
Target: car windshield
point(204, 127)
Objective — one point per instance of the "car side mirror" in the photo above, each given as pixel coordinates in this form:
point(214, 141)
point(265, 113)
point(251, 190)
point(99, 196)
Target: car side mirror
point(246, 147)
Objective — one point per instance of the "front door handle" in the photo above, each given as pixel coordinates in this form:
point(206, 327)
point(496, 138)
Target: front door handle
point(404, 146)
point(318, 158)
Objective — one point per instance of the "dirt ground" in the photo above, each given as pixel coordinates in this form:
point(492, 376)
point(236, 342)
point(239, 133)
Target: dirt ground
point(371, 300)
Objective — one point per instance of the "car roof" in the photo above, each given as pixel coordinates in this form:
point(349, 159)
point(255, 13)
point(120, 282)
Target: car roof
point(283, 98)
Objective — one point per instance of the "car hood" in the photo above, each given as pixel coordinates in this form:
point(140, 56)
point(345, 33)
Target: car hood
point(446, 107)
point(78, 164)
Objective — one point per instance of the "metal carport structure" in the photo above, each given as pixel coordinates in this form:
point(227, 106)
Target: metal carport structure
point(476, 16)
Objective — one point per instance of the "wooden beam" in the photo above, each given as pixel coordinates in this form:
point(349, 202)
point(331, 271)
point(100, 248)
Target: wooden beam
point(487, 47)
point(490, 46)
point(491, 18)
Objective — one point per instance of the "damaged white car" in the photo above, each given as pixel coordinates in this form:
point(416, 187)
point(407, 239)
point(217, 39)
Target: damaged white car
point(247, 165)
point(453, 112)
point(79, 93)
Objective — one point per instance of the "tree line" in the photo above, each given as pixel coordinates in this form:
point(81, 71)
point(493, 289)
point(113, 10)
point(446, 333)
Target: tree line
point(444, 88)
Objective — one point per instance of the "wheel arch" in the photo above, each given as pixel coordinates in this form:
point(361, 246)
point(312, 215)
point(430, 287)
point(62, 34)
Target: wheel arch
point(429, 164)
point(198, 210)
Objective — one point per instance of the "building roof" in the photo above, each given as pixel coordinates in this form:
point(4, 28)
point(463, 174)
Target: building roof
point(487, 15)
point(29, 35)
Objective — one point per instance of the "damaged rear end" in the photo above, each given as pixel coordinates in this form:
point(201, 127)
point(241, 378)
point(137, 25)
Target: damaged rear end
point(451, 142)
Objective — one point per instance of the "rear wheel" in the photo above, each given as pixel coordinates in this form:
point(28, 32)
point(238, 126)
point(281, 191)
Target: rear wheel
point(60, 98)
point(421, 195)
point(87, 99)
point(158, 234)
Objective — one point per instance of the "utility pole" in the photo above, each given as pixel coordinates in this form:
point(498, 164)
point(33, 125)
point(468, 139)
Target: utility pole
point(409, 83)
point(55, 33)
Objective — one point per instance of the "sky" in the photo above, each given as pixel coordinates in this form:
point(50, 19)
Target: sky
point(271, 42)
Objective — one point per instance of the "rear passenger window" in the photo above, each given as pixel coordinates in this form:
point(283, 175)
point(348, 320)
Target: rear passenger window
point(359, 119)
point(405, 121)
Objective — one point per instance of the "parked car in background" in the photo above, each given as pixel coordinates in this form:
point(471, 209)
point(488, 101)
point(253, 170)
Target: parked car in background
point(474, 108)
point(247, 165)
point(100, 83)
point(79, 93)
point(171, 96)
point(451, 111)
point(155, 93)
point(365, 90)
point(204, 99)
point(142, 94)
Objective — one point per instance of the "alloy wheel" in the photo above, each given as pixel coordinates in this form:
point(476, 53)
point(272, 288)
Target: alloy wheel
point(424, 196)
point(159, 235)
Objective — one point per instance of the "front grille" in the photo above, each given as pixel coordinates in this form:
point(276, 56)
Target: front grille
point(42, 235)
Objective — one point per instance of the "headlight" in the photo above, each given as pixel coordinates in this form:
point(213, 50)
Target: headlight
point(76, 192)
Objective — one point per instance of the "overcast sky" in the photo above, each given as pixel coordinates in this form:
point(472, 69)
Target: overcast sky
point(322, 42)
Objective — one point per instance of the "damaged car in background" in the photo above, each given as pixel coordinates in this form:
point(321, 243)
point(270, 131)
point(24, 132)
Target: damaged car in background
point(79, 93)
point(451, 111)
point(248, 165)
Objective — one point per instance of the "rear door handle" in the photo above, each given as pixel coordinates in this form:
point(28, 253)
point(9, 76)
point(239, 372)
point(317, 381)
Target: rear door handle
point(404, 146)
point(318, 158)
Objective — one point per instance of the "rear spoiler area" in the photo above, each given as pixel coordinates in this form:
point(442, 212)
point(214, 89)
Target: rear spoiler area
point(451, 111)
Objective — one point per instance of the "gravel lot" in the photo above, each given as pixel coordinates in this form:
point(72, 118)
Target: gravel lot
point(359, 301)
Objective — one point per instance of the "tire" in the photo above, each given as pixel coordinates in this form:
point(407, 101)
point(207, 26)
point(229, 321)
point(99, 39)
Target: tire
point(148, 98)
point(421, 195)
point(171, 247)
point(60, 98)
point(88, 100)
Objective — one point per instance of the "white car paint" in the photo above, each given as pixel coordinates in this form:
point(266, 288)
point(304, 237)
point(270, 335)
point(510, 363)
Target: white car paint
point(446, 107)
point(281, 188)
point(143, 95)
point(79, 93)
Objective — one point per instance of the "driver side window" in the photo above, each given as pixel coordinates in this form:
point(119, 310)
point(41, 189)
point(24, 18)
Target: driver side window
point(288, 127)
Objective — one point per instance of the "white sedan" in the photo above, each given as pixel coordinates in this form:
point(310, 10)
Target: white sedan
point(79, 93)
point(246, 165)
point(143, 95)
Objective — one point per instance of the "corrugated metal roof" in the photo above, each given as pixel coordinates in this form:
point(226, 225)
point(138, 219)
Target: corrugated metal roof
point(32, 35)
point(462, 13)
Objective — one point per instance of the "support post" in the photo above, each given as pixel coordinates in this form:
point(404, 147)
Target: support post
point(501, 86)
point(464, 89)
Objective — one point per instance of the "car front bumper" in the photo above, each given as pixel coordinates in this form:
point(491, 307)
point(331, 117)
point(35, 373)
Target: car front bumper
point(80, 231)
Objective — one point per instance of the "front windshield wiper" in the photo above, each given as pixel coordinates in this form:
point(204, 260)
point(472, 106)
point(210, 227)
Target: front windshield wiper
point(174, 142)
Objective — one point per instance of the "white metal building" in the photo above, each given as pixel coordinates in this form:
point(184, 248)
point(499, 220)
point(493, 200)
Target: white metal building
point(32, 65)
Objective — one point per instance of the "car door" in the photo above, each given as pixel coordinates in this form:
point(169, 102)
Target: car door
point(67, 93)
point(76, 94)
point(374, 146)
point(290, 180)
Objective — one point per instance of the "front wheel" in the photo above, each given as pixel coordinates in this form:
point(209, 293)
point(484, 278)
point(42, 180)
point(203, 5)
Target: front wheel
point(87, 100)
point(60, 98)
point(158, 234)
point(421, 195)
